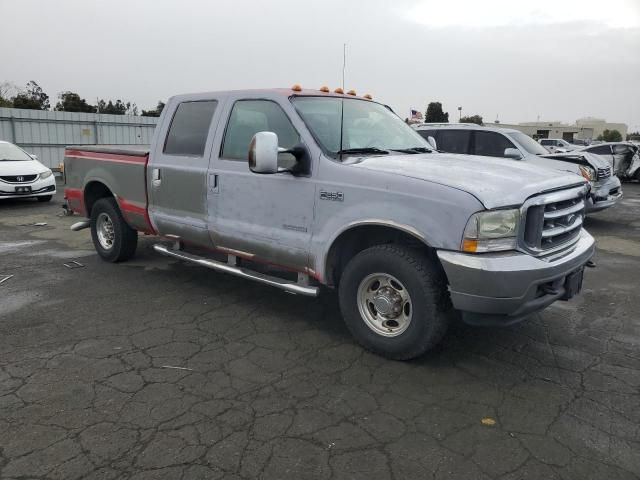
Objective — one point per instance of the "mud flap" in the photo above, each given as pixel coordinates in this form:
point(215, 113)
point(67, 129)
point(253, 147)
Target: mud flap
point(573, 284)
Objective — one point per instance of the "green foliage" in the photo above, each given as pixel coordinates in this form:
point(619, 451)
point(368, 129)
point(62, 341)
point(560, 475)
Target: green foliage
point(117, 108)
point(154, 113)
point(33, 98)
point(434, 114)
point(633, 136)
point(472, 119)
point(610, 136)
point(71, 102)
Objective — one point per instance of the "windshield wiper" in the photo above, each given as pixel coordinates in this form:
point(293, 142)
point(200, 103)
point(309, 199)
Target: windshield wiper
point(413, 150)
point(363, 150)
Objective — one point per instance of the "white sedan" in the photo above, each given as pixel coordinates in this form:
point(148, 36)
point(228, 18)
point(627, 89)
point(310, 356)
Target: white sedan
point(22, 175)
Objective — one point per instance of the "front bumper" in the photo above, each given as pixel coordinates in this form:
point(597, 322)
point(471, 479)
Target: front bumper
point(506, 287)
point(603, 194)
point(39, 187)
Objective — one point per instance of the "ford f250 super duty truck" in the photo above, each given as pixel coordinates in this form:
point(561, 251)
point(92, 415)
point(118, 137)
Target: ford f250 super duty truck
point(302, 188)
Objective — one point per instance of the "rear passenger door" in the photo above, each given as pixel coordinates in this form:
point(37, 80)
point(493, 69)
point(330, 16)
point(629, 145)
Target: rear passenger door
point(177, 174)
point(490, 144)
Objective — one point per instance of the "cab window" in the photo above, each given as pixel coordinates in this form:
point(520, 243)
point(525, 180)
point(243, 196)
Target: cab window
point(249, 117)
point(189, 128)
point(491, 144)
point(454, 141)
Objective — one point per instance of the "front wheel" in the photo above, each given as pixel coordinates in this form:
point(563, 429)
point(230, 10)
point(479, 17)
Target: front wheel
point(394, 301)
point(114, 240)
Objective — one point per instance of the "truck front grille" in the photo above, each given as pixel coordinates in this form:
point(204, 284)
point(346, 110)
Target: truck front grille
point(603, 173)
point(18, 178)
point(553, 221)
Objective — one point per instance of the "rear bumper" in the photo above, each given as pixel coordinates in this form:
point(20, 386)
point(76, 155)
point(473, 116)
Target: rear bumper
point(604, 194)
point(38, 188)
point(504, 288)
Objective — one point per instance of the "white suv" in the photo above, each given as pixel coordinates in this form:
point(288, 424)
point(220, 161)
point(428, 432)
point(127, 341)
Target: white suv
point(557, 145)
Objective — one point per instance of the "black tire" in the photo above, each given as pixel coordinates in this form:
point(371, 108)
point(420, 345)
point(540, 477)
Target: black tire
point(45, 198)
point(125, 238)
point(424, 281)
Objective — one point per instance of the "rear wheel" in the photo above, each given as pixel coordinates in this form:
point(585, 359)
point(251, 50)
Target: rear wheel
point(45, 198)
point(394, 301)
point(113, 239)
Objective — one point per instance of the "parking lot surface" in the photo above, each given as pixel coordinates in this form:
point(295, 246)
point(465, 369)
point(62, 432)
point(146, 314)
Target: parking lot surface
point(155, 369)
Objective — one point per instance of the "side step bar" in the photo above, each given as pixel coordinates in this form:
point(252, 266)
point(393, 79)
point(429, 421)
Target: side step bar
point(286, 285)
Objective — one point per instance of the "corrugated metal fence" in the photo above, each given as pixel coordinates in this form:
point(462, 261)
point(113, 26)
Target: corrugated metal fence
point(47, 133)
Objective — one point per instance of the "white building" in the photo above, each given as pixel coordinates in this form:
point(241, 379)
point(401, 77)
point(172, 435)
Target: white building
point(587, 128)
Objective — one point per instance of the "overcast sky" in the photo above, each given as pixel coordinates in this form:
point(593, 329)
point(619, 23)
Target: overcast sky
point(518, 60)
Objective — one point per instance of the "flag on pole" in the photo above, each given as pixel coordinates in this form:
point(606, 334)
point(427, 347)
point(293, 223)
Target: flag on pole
point(416, 115)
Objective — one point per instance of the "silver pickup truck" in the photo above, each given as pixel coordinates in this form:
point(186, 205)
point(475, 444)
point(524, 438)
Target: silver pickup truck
point(303, 188)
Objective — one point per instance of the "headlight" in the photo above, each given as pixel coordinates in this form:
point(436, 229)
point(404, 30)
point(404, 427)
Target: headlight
point(46, 174)
point(588, 173)
point(491, 231)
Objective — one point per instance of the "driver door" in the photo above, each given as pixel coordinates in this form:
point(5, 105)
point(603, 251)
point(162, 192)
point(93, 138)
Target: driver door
point(264, 217)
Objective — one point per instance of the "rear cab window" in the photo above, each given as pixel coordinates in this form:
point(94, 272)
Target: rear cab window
point(187, 135)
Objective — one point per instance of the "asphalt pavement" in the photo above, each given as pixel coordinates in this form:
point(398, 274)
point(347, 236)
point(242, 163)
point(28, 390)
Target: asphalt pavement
point(155, 369)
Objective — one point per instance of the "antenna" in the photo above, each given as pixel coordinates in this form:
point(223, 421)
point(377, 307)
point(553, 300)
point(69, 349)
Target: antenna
point(344, 62)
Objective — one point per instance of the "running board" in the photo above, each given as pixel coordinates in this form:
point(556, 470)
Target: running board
point(286, 285)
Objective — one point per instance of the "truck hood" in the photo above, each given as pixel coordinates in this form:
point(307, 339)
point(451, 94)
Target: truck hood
point(493, 181)
point(581, 158)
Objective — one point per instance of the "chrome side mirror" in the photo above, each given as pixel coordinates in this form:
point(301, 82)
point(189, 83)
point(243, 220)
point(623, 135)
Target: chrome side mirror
point(263, 153)
point(512, 153)
point(432, 142)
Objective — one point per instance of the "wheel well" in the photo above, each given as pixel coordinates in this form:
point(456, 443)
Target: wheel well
point(93, 192)
point(353, 241)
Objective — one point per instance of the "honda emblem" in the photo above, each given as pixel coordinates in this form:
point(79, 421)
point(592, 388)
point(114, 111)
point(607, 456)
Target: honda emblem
point(20, 179)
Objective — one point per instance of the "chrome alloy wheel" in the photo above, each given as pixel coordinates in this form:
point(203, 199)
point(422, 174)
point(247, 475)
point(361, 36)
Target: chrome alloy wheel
point(384, 304)
point(104, 229)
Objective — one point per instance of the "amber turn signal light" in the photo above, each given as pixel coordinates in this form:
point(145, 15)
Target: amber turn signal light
point(470, 245)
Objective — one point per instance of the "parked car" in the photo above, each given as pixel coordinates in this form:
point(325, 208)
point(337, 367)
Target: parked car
point(624, 158)
point(22, 175)
point(579, 142)
point(554, 145)
point(336, 190)
point(472, 139)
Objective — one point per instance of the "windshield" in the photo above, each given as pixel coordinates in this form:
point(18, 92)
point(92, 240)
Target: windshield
point(368, 126)
point(10, 153)
point(528, 143)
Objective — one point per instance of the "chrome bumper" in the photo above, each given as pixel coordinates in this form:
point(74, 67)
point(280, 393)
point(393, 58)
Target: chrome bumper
point(504, 288)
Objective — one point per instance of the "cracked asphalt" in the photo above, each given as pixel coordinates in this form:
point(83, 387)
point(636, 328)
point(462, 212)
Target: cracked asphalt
point(155, 369)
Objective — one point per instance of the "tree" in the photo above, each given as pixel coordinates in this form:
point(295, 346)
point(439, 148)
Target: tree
point(33, 98)
point(117, 108)
point(154, 113)
point(472, 119)
point(434, 114)
point(610, 136)
point(633, 136)
point(7, 94)
point(71, 102)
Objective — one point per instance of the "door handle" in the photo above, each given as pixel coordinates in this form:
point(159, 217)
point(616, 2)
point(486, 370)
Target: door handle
point(156, 177)
point(214, 183)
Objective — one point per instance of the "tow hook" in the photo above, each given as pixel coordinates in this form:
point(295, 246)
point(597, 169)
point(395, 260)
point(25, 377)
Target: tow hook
point(590, 264)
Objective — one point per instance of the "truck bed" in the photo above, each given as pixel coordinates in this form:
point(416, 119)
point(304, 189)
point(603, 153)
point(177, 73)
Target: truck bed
point(121, 170)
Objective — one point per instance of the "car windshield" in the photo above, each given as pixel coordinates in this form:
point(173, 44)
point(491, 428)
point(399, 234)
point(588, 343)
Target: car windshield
point(10, 153)
point(369, 128)
point(528, 143)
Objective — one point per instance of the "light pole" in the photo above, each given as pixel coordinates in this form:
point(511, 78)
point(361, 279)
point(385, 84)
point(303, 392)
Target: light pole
point(459, 114)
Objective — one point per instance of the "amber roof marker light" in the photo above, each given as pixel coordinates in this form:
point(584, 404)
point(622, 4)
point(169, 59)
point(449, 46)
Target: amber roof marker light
point(352, 93)
point(338, 90)
point(324, 89)
point(296, 87)
point(367, 96)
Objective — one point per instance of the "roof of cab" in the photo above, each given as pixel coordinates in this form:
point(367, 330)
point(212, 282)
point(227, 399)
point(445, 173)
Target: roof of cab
point(285, 92)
